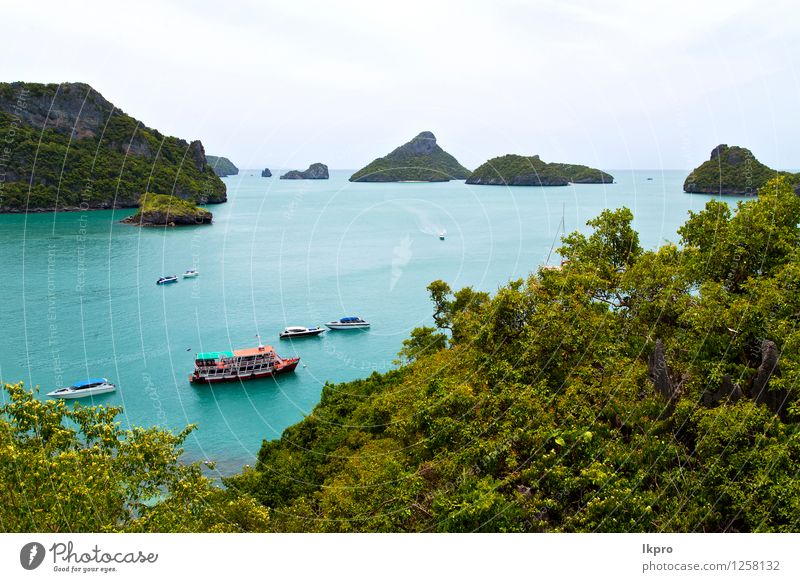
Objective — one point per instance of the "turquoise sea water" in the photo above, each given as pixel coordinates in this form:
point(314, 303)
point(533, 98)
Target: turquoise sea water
point(79, 296)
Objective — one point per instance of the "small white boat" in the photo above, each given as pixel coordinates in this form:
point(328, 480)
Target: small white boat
point(298, 331)
point(167, 279)
point(348, 323)
point(90, 387)
point(190, 274)
point(442, 235)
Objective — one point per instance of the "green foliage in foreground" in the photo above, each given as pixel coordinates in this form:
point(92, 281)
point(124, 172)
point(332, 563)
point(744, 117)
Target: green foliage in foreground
point(65, 469)
point(515, 170)
point(541, 414)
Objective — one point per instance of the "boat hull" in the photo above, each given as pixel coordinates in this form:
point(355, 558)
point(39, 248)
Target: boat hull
point(82, 393)
point(333, 325)
point(311, 333)
point(286, 367)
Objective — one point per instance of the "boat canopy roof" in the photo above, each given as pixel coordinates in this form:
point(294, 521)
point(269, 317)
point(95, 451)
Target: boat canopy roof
point(349, 319)
point(253, 351)
point(213, 355)
point(90, 382)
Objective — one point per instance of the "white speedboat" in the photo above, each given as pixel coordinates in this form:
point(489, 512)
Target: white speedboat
point(297, 331)
point(190, 274)
point(348, 323)
point(90, 387)
point(442, 235)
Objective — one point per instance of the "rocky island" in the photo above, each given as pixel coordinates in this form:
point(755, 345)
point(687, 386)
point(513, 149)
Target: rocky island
point(516, 170)
point(733, 171)
point(265, 173)
point(222, 166)
point(314, 172)
point(420, 160)
point(89, 154)
point(166, 210)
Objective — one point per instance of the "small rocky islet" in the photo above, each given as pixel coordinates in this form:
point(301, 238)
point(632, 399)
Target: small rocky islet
point(166, 210)
point(516, 170)
point(265, 173)
point(732, 171)
point(419, 160)
point(315, 171)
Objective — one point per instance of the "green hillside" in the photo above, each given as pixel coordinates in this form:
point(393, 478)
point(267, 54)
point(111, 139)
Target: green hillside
point(69, 148)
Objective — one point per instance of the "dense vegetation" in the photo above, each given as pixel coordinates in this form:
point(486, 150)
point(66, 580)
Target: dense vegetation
point(65, 469)
point(515, 170)
point(222, 166)
point(419, 160)
point(67, 147)
point(166, 210)
point(731, 170)
point(629, 390)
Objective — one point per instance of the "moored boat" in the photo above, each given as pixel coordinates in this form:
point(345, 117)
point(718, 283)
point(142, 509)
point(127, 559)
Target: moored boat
point(90, 387)
point(190, 274)
point(245, 364)
point(348, 323)
point(442, 235)
point(167, 279)
point(298, 331)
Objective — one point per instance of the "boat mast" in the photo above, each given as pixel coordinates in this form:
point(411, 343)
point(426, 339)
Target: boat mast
point(561, 227)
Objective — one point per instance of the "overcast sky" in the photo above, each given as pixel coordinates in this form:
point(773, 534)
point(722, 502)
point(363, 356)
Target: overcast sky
point(617, 84)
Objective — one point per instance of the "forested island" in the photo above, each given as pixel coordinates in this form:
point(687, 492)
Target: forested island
point(67, 148)
point(732, 170)
point(166, 210)
point(629, 390)
point(222, 166)
point(419, 160)
point(516, 170)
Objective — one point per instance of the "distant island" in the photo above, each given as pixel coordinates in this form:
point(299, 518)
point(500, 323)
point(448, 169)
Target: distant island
point(314, 172)
point(516, 170)
point(265, 173)
point(68, 148)
point(166, 210)
point(420, 160)
point(731, 170)
point(222, 166)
